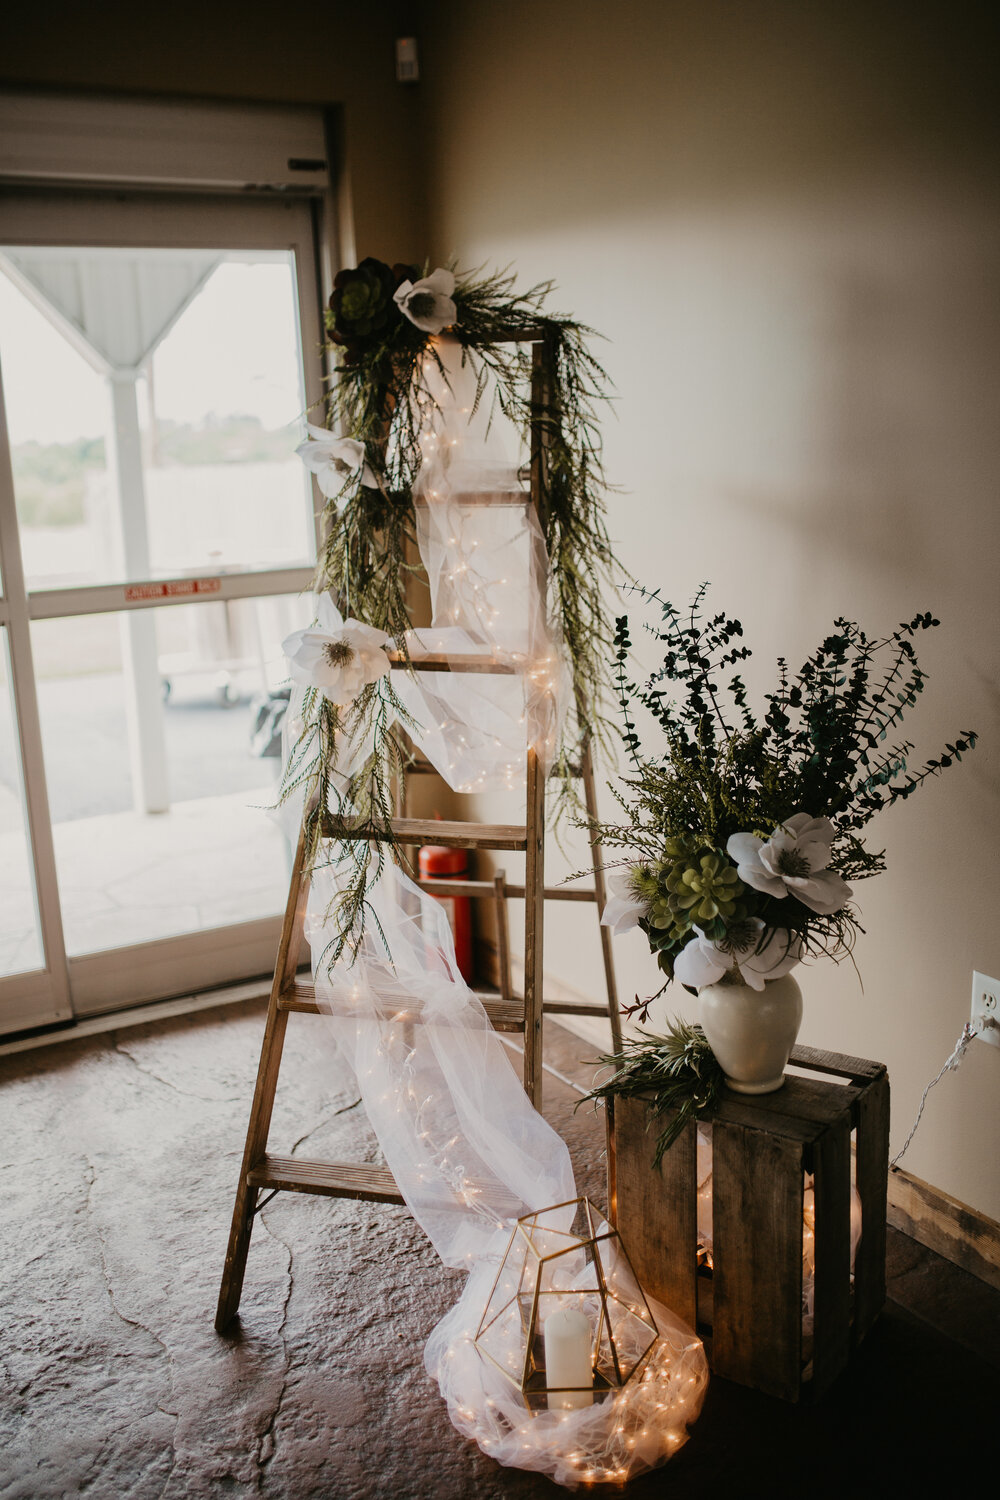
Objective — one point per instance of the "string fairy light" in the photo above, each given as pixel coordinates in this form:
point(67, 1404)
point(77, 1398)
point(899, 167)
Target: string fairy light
point(480, 557)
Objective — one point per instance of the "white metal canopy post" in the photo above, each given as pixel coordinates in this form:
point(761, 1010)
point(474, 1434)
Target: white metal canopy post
point(116, 308)
point(143, 700)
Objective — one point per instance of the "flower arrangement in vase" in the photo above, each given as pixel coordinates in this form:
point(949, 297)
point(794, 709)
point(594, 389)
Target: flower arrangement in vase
point(744, 835)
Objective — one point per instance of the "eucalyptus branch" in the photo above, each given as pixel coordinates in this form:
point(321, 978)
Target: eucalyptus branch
point(741, 840)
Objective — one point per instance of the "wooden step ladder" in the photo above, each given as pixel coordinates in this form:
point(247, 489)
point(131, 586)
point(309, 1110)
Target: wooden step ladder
point(262, 1172)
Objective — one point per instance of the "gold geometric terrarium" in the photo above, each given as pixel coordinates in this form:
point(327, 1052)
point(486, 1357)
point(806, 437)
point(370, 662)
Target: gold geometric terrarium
point(566, 1321)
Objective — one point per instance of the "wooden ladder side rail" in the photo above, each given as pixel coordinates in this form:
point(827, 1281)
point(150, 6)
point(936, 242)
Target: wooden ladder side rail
point(541, 443)
point(601, 897)
point(262, 1106)
point(503, 936)
point(534, 922)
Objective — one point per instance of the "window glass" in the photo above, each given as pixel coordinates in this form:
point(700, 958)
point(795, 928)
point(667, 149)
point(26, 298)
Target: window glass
point(154, 401)
point(161, 738)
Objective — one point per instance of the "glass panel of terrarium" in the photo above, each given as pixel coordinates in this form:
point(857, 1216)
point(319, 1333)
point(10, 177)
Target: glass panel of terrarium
point(155, 402)
point(158, 818)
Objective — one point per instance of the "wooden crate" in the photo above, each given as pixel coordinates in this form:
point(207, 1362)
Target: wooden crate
point(748, 1307)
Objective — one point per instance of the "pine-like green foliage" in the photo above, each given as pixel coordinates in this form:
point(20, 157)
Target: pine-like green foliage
point(379, 395)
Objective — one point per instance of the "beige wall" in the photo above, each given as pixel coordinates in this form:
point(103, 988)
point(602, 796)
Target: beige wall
point(783, 218)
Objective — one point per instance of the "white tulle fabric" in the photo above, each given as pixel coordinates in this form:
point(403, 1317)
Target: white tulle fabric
point(467, 1150)
point(484, 552)
point(470, 1156)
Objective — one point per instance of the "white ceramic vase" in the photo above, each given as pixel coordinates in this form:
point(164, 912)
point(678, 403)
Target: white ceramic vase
point(752, 1032)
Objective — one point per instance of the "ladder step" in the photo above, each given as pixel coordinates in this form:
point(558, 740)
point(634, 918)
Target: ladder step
point(433, 831)
point(332, 1179)
point(504, 1015)
point(519, 499)
point(574, 1008)
point(486, 889)
point(421, 767)
point(452, 661)
point(358, 1180)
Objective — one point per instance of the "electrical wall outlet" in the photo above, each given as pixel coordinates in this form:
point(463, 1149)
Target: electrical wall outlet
point(986, 1008)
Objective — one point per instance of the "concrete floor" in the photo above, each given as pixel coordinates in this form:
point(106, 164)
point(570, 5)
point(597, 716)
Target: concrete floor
point(118, 1175)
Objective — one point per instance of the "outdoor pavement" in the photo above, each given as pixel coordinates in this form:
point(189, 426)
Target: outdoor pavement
point(129, 877)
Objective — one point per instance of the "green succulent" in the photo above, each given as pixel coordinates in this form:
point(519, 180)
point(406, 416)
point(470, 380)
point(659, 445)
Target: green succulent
point(362, 305)
point(705, 888)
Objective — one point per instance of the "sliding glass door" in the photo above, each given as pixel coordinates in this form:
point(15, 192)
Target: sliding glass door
point(158, 357)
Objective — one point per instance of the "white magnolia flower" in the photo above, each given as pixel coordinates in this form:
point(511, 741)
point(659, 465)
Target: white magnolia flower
point(334, 460)
point(792, 861)
point(624, 909)
point(338, 656)
point(703, 962)
point(428, 303)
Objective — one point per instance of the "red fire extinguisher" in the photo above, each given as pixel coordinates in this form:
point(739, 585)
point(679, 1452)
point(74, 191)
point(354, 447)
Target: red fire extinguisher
point(440, 863)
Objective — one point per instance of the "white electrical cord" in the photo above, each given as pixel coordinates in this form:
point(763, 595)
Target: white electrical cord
point(969, 1033)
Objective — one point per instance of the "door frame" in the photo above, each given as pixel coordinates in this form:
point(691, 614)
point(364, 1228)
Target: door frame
point(90, 984)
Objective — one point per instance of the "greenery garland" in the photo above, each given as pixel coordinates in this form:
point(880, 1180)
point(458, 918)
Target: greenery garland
point(379, 397)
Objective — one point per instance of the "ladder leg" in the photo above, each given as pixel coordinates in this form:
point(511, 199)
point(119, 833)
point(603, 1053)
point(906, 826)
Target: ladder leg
point(534, 906)
point(263, 1099)
point(503, 936)
point(246, 1197)
point(607, 953)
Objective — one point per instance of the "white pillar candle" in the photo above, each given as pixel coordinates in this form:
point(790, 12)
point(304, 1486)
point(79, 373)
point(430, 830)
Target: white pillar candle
point(567, 1358)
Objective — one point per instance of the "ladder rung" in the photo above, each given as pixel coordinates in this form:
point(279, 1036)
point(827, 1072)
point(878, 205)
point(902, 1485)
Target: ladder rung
point(433, 831)
point(518, 499)
point(574, 1008)
point(504, 1015)
point(483, 889)
point(333, 1179)
point(344, 1179)
point(526, 336)
point(452, 661)
point(421, 768)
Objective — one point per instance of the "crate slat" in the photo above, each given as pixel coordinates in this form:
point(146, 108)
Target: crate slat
point(872, 1119)
point(836, 1063)
point(832, 1287)
point(659, 1206)
point(757, 1278)
point(808, 1100)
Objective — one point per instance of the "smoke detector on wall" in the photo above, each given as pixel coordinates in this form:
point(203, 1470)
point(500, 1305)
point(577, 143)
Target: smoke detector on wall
point(407, 64)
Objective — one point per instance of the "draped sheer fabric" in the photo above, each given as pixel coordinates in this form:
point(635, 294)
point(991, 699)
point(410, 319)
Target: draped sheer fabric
point(466, 1148)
